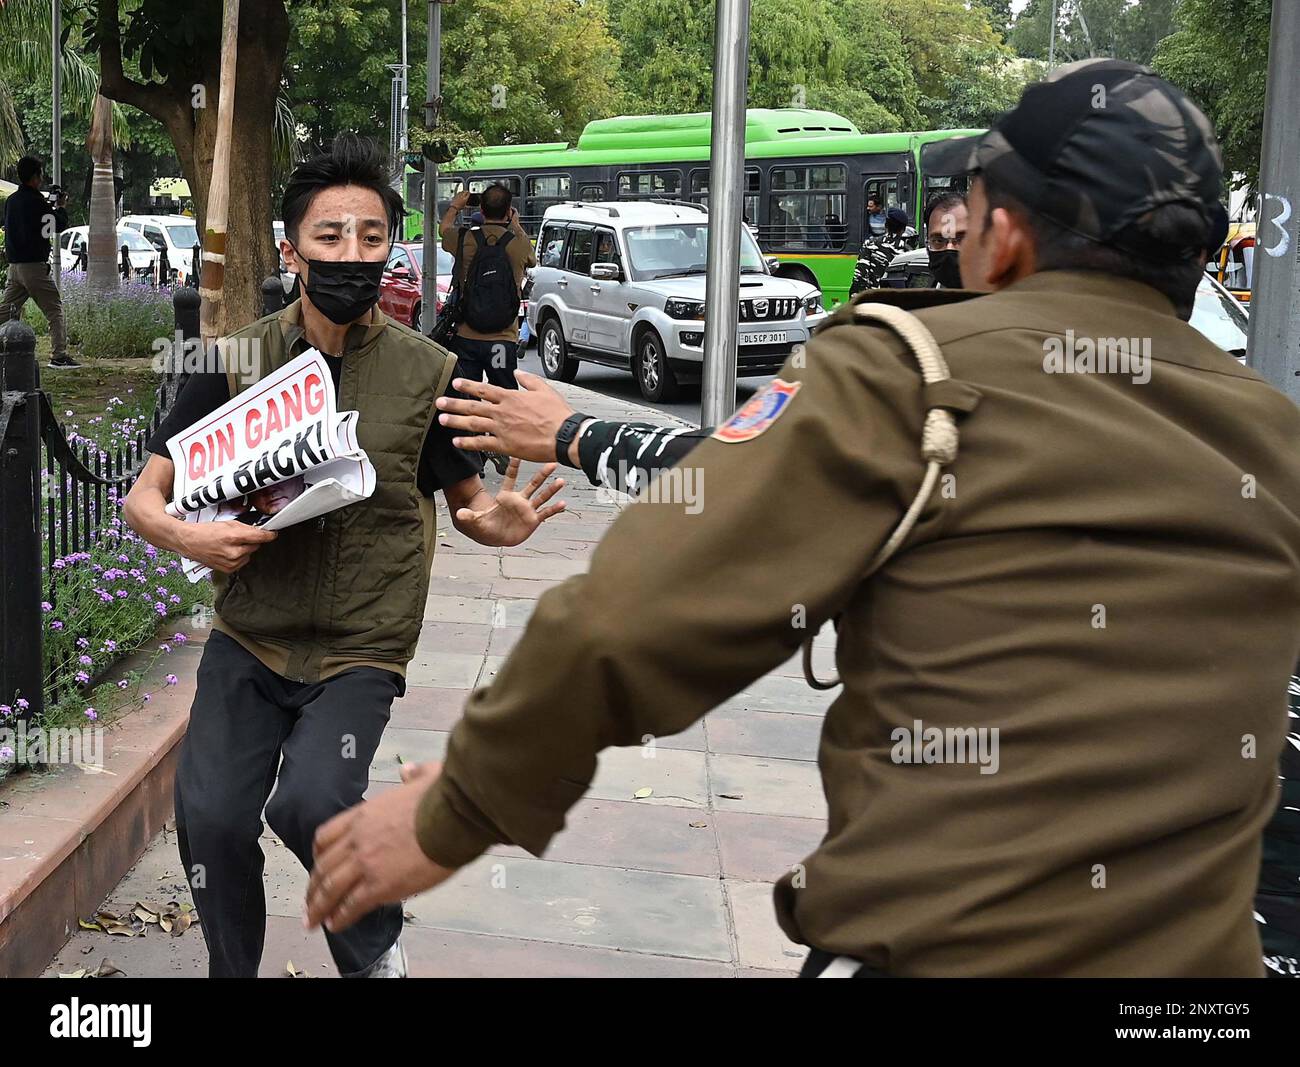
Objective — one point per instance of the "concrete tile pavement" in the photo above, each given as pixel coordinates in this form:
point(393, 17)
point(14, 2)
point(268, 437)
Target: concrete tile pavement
point(675, 884)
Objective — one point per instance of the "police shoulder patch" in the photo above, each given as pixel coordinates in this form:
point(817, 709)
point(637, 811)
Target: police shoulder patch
point(759, 412)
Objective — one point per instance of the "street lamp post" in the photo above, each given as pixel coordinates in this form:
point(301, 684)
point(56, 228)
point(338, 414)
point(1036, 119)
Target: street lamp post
point(56, 124)
point(726, 198)
point(429, 276)
point(1274, 343)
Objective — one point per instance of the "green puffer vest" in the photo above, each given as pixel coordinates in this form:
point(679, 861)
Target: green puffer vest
point(347, 588)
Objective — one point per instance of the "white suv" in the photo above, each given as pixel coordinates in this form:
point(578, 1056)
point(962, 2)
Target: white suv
point(177, 234)
point(622, 284)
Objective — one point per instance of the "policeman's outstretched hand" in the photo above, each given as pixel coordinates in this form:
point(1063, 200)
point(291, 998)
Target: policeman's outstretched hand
point(223, 546)
point(369, 855)
point(512, 516)
point(517, 422)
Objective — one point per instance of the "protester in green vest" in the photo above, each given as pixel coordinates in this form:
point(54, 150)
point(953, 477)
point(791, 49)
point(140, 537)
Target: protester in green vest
point(315, 624)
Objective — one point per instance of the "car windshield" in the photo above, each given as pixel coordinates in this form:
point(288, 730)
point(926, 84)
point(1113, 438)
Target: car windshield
point(678, 249)
point(1218, 315)
point(133, 241)
point(183, 236)
point(445, 262)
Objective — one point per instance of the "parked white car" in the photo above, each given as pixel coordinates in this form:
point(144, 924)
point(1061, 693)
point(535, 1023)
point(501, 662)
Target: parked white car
point(144, 257)
point(622, 284)
point(177, 234)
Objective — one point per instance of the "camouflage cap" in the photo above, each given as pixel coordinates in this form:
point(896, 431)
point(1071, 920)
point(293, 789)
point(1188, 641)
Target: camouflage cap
point(1096, 147)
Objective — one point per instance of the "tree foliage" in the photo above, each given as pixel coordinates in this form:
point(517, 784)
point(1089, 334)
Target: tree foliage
point(1219, 55)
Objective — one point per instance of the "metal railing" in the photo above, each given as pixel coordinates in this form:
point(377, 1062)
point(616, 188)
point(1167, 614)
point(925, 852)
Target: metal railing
point(56, 496)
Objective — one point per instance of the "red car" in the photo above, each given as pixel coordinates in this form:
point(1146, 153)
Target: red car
point(400, 288)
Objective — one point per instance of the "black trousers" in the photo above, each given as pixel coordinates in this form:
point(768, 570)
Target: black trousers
point(495, 360)
point(251, 729)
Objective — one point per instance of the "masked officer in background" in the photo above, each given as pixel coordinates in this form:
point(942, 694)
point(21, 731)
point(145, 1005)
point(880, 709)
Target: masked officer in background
point(1110, 580)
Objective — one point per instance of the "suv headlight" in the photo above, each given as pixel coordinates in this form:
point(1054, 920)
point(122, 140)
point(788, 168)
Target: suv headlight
point(679, 307)
point(813, 304)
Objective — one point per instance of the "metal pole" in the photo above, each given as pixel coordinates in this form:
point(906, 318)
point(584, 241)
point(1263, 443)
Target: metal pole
point(429, 277)
point(1051, 41)
point(726, 198)
point(56, 122)
point(1274, 345)
point(405, 111)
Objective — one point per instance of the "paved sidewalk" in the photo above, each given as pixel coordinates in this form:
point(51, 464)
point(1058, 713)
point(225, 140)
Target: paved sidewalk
point(676, 884)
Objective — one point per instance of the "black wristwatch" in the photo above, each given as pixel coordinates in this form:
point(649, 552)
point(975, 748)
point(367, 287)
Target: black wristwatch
point(565, 434)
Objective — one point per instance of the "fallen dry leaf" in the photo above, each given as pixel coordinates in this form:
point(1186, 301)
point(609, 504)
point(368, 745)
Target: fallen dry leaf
point(641, 794)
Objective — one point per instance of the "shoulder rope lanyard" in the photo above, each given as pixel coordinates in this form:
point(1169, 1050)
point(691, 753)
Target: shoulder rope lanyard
point(938, 440)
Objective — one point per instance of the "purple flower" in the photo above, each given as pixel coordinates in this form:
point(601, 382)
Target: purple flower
point(6, 754)
point(22, 704)
point(124, 559)
point(161, 609)
point(56, 625)
point(123, 684)
point(160, 591)
point(148, 697)
point(164, 647)
point(110, 646)
point(174, 599)
point(46, 606)
point(6, 710)
point(161, 571)
point(122, 594)
point(58, 564)
point(92, 714)
point(150, 551)
point(85, 661)
point(172, 679)
point(82, 677)
point(180, 639)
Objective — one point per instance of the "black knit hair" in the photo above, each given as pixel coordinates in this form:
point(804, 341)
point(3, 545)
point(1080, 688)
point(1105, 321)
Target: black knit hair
point(351, 160)
point(28, 168)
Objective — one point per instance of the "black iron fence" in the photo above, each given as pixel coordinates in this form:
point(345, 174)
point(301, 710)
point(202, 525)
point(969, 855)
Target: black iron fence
point(55, 497)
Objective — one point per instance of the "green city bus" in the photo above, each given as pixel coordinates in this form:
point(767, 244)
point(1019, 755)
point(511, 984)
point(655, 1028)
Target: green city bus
point(808, 175)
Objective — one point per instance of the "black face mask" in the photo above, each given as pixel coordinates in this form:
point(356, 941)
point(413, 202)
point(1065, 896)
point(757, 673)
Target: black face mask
point(343, 290)
point(943, 265)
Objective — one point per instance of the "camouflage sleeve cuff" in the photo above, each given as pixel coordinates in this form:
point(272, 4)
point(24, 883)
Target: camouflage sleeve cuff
point(447, 835)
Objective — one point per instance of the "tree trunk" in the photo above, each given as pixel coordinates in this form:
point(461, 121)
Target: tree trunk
point(103, 253)
point(263, 38)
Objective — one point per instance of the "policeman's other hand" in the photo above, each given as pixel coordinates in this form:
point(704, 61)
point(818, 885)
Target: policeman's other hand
point(518, 422)
point(369, 855)
point(224, 546)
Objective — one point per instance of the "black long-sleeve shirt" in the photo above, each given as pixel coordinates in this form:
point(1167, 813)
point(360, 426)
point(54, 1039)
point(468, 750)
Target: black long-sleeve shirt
point(26, 212)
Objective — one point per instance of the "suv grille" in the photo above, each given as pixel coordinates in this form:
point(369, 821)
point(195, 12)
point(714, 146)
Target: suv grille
point(764, 310)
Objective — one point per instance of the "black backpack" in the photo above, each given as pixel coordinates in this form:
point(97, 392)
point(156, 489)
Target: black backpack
point(490, 301)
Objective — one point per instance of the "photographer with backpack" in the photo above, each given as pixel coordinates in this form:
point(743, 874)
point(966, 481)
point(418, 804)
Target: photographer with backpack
point(491, 258)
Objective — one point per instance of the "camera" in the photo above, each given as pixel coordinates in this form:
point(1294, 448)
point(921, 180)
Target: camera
point(475, 199)
point(55, 194)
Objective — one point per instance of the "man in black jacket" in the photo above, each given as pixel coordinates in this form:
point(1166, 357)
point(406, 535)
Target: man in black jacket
point(30, 223)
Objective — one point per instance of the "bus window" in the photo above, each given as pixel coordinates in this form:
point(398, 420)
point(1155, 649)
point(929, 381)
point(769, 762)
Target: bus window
point(883, 189)
point(667, 183)
point(700, 192)
point(592, 193)
point(510, 181)
point(806, 207)
point(545, 190)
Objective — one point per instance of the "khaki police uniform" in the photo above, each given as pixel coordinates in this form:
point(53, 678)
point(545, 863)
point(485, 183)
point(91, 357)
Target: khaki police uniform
point(1110, 578)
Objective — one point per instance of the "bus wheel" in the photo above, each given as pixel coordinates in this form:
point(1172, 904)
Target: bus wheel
point(654, 377)
point(556, 361)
